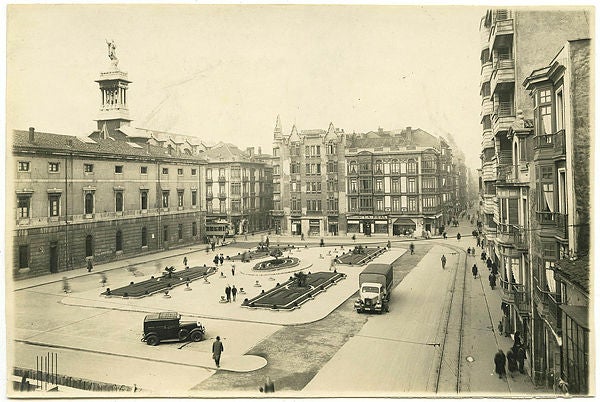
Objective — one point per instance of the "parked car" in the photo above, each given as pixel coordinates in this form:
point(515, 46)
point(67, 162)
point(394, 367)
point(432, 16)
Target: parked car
point(167, 326)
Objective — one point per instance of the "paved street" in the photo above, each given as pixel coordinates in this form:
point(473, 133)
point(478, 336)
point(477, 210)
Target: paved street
point(340, 352)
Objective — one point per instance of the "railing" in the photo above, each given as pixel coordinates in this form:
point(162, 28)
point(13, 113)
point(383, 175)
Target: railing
point(428, 169)
point(520, 297)
point(430, 209)
point(515, 234)
point(554, 141)
point(430, 190)
point(222, 195)
point(364, 209)
point(209, 195)
point(499, 64)
point(561, 224)
point(548, 304)
point(221, 178)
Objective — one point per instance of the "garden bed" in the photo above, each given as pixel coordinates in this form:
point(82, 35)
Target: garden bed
point(275, 265)
point(161, 283)
point(360, 255)
point(289, 295)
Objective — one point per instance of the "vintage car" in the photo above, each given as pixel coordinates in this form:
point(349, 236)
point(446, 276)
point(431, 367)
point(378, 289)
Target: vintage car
point(167, 326)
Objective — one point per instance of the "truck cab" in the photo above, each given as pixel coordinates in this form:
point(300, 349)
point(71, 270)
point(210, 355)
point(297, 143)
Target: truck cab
point(374, 289)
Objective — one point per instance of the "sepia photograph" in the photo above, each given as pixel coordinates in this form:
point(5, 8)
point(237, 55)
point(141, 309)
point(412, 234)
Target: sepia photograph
point(299, 201)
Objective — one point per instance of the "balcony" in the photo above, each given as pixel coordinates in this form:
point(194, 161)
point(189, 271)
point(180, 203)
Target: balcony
point(502, 117)
point(512, 234)
point(487, 106)
point(504, 26)
point(503, 73)
point(209, 181)
point(513, 175)
point(222, 195)
point(209, 196)
point(550, 145)
point(429, 190)
point(428, 170)
point(430, 210)
point(486, 72)
point(221, 178)
point(547, 305)
point(488, 171)
point(515, 294)
point(554, 220)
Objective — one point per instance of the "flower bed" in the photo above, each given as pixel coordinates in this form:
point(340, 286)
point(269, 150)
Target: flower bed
point(160, 284)
point(274, 265)
point(360, 256)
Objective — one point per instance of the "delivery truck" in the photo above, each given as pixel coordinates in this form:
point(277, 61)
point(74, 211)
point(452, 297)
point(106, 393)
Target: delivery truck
point(375, 286)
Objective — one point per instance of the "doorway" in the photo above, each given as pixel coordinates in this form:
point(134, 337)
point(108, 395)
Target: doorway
point(53, 257)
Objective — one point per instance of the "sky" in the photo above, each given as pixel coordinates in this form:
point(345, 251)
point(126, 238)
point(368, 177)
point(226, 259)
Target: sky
point(224, 73)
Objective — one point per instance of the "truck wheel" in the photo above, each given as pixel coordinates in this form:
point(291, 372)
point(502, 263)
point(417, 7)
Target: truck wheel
point(152, 340)
point(196, 336)
point(183, 334)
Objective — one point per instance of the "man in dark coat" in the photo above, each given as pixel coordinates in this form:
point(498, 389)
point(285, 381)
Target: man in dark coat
point(492, 279)
point(217, 348)
point(500, 363)
point(521, 356)
point(512, 361)
point(228, 293)
point(233, 292)
point(474, 271)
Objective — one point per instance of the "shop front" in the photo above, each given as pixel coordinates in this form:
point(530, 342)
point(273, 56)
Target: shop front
point(353, 226)
point(296, 225)
point(403, 226)
point(381, 227)
point(314, 227)
point(332, 226)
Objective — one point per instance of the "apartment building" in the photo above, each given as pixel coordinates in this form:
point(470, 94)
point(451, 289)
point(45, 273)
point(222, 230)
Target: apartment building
point(520, 194)
point(560, 216)
point(309, 181)
point(238, 188)
point(398, 182)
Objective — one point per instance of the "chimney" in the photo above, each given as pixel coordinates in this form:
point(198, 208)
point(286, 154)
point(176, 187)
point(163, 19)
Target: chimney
point(380, 130)
point(31, 134)
point(409, 137)
point(250, 151)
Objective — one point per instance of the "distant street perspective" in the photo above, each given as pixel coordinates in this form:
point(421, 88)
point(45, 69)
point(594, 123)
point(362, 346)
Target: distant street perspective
point(174, 256)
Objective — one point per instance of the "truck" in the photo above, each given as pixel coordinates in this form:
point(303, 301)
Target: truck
point(375, 286)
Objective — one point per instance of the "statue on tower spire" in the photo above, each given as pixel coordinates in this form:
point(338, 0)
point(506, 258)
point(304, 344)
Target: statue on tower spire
point(112, 52)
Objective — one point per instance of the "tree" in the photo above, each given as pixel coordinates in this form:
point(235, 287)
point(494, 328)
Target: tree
point(301, 279)
point(170, 270)
point(276, 253)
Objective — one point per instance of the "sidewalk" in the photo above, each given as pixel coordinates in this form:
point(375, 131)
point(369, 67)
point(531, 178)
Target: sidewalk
point(481, 339)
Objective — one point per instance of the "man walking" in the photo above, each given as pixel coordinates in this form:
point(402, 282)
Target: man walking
point(443, 261)
point(233, 292)
point(500, 363)
point(228, 293)
point(521, 356)
point(217, 348)
point(474, 271)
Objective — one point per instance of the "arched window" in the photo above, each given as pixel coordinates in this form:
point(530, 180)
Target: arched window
point(89, 246)
point(144, 237)
point(89, 203)
point(395, 166)
point(119, 201)
point(411, 166)
point(352, 167)
point(119, 241)
point(378, 166)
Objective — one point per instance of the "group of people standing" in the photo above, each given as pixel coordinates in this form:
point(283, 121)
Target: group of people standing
point(230, 292)
point(515, 357)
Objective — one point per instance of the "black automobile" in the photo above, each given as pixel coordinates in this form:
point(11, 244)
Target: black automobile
point(167, 326)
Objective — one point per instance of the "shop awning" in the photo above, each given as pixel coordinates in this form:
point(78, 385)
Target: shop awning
point(405, 222)
point(579, 314)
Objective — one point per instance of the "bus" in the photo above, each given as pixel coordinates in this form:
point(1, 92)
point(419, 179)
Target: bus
point(218, 229)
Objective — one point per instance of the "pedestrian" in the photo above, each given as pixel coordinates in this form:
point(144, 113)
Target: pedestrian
point(500, 363)
point(217, 348)
point(494, 268)
point(302, 236)
point(216, 260)
point(322, 243)
point(185, 261)
point(512, 361)
point(66, 287)
point(488, 262)
point(268, 387)
point(221, 259)
point(412, 248)
point(354, 238)
point(90, 265)
point(232, 269)
point(458, 236)
point(212, 246)
point(103, 279)
point(445, 235)
point(267, 242)
point(443, 259)
point(228, 293)
point(468, 251)
point(492, 279)
point(233, 292)
point(521, 356)
point(245, 236)
point(474, 271)
point(517, 339)
point(478, 241)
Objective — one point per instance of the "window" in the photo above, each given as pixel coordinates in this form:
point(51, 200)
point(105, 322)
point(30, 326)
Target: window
point(396, 204)
point(295, 167)
point(88, 168)
point(560, 110)
point(165, 199)
point(180, 231)
point(23, 206)
point(276, 152)
point(318, 168)
point(166, 233)
point(307, 151)
point(89, 203)
point(180, 198)
point(143, 169)
point(353, 187)
point(366, 185)
point(353, 204)
point(23, 166)
point(119, 201)
point(378, 166)
point(222, 188)
point(165, 170)
point(235, 206)
point(379, 185)
point(236, 188)
point(395, 186)
point(331, 148)
point(411, 166)
point(332, 167)
point(144, 237)
point(222, 207)
point(412, 204)
point(412, 186)
point(53, 167)
point(543, 113)
point(276, 169)
point(144, 199)
point(208, 174)
point(194, 198)
point(194, 172)
point(54, 204)
point(119, 169)
point(379, 204)
point(179, 172)
point(209, 206)
point(221, 173)
point(332, 204)
point(23, 257)
point(194, 229)
point(366, 203)
point(395, 166)
point(119, 241)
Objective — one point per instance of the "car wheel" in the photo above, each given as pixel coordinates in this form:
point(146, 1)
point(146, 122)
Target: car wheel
point(196, 336)
point(152, 340)
point(183, 334)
